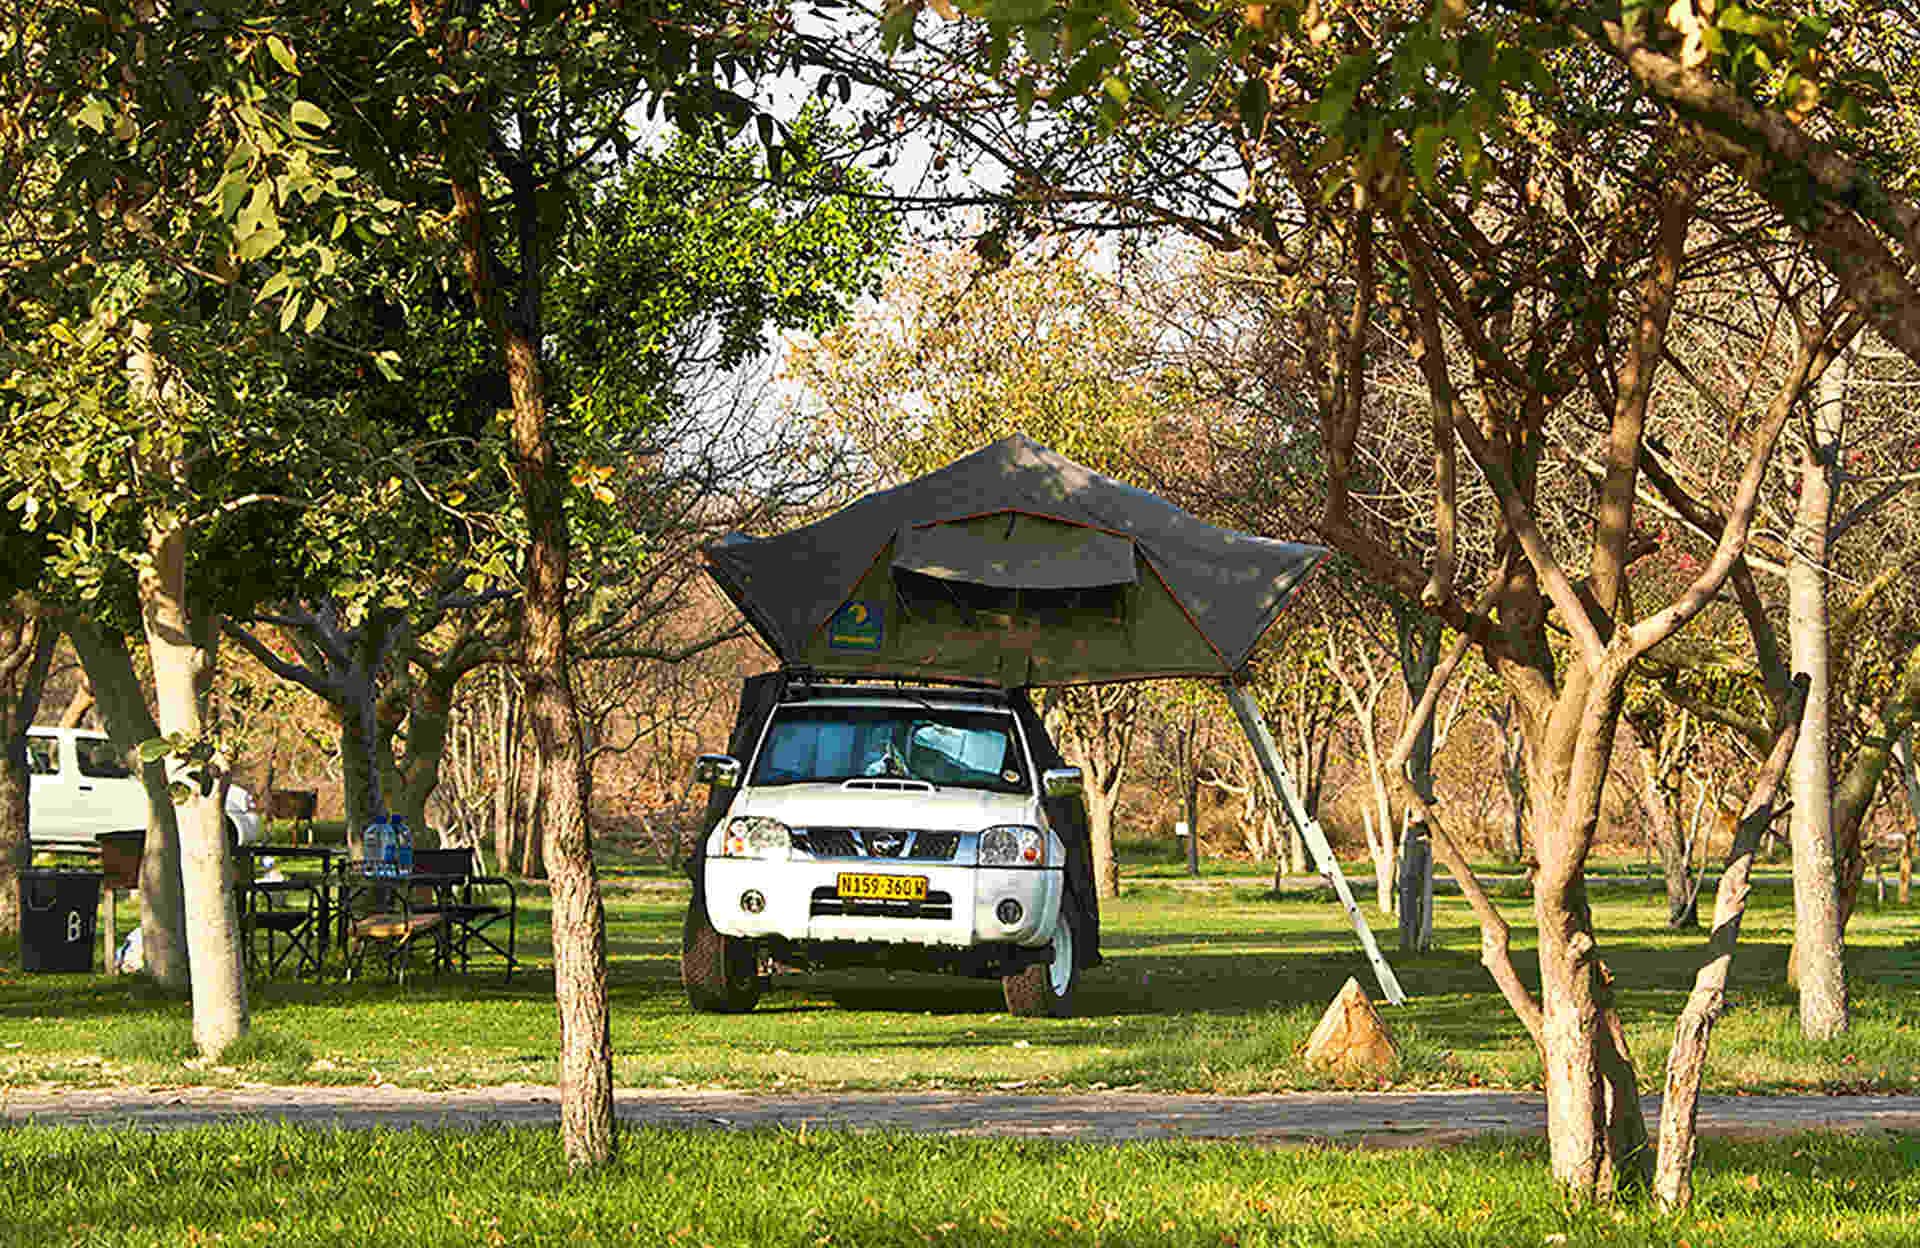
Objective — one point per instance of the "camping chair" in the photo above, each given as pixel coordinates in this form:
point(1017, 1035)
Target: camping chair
point(285, 910)
point(393, 915)
point(473, 904)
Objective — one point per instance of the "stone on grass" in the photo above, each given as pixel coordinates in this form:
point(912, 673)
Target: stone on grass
point(1352, 1038)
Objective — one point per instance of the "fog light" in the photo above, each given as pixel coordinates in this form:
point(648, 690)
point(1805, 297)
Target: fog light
point(753, 901)
point(1009, 911)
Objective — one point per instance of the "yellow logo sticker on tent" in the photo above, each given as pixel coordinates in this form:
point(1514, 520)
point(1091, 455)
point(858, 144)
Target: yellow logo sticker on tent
point(857, 626)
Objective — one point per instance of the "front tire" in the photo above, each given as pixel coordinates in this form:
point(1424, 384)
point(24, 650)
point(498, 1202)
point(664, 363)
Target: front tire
point(1046, 989)
point(718, 971)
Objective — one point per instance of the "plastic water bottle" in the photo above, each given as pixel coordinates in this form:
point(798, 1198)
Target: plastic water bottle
point(377, 847)
point(403, 846)
point(389, 851)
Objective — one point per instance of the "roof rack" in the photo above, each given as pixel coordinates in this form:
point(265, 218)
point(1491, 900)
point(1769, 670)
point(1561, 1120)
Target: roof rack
point(802, 680)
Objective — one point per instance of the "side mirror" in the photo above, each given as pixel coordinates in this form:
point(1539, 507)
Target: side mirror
point(722, 771)
point(1061, 782)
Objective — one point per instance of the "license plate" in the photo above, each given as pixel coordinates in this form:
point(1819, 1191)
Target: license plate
point(884, 887)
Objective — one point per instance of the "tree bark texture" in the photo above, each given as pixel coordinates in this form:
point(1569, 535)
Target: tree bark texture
point(182, 665)
point(1853, 797)
point(579, 922)
point(1419, 638)
point(429, 718)
point(1658, 757)
point(1095, 734)
point(123, 708)
point(1816, 885)
point(27, 635)
point(1377, 824)
point(541, 481)
point(1693, 1030)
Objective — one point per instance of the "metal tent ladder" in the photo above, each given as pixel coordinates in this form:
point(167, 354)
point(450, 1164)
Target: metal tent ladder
point(1255, 726)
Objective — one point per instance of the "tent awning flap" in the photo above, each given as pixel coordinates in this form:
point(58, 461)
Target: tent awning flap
point(1009, 550)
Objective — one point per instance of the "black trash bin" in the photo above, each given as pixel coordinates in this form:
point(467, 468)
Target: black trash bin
point(57, 911)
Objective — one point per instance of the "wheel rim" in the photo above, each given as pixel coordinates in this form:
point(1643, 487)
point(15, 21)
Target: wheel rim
point(1060, 971)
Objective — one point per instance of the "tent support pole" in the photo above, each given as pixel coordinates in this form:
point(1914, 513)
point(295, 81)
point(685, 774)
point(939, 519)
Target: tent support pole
point(1255, 726)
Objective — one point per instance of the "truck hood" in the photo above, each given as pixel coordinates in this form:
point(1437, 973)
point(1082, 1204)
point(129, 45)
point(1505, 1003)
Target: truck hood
point(832, 806)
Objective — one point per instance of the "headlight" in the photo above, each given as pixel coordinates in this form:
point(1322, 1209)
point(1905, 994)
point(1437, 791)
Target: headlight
point(756, 836)
point(1013, 845)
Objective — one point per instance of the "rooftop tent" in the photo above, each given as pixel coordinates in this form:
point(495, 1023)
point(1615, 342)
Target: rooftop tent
point(1017, 567)
point(1012, 566)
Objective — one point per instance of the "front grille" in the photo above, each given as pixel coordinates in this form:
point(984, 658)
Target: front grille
point(877, 843)
point(826, 842)
point(935, 845)
point(829, 904)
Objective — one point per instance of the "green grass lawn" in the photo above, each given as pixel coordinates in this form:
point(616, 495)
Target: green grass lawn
point(285, 1186)
point(1204, 989)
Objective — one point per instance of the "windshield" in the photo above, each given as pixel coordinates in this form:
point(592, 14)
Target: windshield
point(946, 748)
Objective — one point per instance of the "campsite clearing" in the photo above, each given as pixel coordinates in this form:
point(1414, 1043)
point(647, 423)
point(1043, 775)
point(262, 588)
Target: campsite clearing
point(1207, 990)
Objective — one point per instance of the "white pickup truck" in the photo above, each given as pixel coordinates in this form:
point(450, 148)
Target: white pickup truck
point(894, 826)
point(81, 786)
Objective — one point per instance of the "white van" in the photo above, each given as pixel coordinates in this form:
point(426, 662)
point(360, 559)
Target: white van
point(81, 786)
point(891, 826)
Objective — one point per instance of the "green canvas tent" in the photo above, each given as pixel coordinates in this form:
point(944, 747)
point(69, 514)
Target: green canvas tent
point(1013, 566)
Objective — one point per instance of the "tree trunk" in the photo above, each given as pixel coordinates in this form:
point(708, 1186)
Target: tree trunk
point(1853, 796)
point(541, 481)
point(79, 704)
point(1513, 768)
point(1419, 637)
point(1656, 799)
point(1816, 897)
point(1693, 1030)
point(123, 708)
point(428, 721)
point(1596, 1135)
point(26, 651)
point(579, 922)
point(1910, 777)
point(1106, 866)
point(360, 777)
point(506, 776)
point(182, 664)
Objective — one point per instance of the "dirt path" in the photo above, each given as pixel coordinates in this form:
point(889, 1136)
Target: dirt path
point(1370, 1119)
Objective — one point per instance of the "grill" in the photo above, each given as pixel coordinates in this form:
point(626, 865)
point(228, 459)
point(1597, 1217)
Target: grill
point(826, 842)
point(936, 845)
point(877, 843)
point(828, 904)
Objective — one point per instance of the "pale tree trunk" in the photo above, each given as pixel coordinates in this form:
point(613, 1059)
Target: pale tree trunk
point(1818, 951)
point(1419, 637)
point(1854, 795)
point(1313, 723)
point(1910, 777)
point(79, 704)
point(129, 721)
point(531, 833)
point(1659, 763)
point(1106, 866)
point(182, 666)
point(506, 748)
point(27, 635)
point(1095, 733)
point(1596, 1135)
point(1513, 770)
point(1378, 822)
point(1693, 1030)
